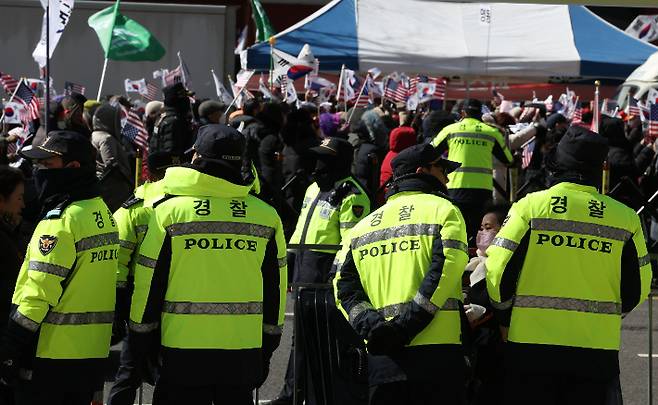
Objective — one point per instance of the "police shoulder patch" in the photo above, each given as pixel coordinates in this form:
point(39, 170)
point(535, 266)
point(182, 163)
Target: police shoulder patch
point(47, 243)
point(357, 210)
point(132, 201)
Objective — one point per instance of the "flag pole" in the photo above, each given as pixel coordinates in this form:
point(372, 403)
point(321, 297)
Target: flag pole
point(100, 86)
point(340, 85)
point(47, 78)
point(138, 166)
point(596, 109)
point(365, 82)
point(234, 98)
point(271, 40)
point(445, 95)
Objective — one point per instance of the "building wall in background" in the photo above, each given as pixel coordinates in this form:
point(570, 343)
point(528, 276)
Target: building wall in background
point(204, 34)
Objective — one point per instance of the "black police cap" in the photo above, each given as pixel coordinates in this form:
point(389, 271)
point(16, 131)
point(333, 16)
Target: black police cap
point(472, 105)
point(423, 155)
point(221, 143)
point(69, 145)
point(333, 148)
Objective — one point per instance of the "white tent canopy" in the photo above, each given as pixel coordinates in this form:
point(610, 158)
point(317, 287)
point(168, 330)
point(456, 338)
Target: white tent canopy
point(461, 39)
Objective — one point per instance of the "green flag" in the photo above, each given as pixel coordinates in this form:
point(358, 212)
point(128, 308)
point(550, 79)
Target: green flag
point(123, 38)
point(263, 27)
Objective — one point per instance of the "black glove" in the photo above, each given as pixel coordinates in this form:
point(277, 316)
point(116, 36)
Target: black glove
point(386, 338)
point(121, 314)
point(270, 343)
point(118, 331)
point(13, 344)
point(265, 371)
point(8, 371)
point(145, 349)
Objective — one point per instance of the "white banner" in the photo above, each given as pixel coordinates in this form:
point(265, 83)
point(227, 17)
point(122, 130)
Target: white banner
point(59, 16)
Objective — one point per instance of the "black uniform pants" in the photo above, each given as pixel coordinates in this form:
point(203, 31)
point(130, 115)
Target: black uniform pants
point(471, 203)
point(169, 393)
point(542, 389)
point(26, 393)
point(417, 393)
point(126, 381)
point(310, 267)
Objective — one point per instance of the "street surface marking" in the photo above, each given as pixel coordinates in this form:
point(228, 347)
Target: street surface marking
point(646, 355)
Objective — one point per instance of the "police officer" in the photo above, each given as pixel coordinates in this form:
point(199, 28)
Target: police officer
point(332, 205)
point(400, 285)
point(173, 131)
point(210, 280)
point(132, 222)
point(58, 335)
point(471, 143)
point(561, 272)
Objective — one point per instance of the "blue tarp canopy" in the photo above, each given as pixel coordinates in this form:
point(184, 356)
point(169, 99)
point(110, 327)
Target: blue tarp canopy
point(461, 39)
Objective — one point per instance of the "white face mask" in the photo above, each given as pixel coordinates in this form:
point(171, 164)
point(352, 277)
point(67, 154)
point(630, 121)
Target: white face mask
point(484, 239)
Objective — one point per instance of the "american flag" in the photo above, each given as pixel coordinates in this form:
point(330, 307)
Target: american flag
point(439, 90)
point(396, 90)
point(633, 108)
point(26, 96)
point(152, 92)
point(133, 129)
point(364, 100)
point(526, 153)
point(8, 82)
point(653, 121)
point(70, 87)
point(174, 76)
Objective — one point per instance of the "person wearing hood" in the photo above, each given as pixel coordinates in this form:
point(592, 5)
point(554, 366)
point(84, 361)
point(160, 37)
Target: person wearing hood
point(250, 127)
point(187, 288)
point(299, 136)
point(332, 205)
point(400, 139)
point(152, 111)
point(112, 163)
point(57, 341)
point(365, 166)
point(625, 159)
point(211, 112)
point(568, 261)
point(400, 285)
point(172, 131)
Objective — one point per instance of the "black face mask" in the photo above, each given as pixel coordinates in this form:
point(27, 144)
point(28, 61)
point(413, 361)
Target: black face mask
point(73, 182)
point(325, 179)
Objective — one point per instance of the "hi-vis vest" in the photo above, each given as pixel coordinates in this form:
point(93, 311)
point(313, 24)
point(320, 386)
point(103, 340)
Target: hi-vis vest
point(132, 220)
point(205, 249)
point(327, 217)
point(471, 142)
point(66, 288)
point(392, 249)
point(568, 291)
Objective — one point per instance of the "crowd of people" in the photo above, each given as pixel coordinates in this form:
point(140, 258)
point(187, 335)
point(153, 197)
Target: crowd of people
point(329, 156)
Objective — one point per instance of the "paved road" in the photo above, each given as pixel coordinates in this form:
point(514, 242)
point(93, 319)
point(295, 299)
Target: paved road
point(634, 369)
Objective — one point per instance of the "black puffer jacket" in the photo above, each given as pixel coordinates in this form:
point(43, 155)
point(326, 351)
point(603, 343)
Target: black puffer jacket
point(625, 159)
point(298, 137)
point(173, 133)
point(366, 163)
point(11, 259)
